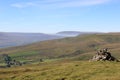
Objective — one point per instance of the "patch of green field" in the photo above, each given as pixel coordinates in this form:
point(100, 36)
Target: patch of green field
point(23, 56)
point(64, 70)
point(20, 54)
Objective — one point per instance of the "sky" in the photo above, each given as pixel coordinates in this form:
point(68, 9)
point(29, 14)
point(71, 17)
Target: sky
point(51, 16)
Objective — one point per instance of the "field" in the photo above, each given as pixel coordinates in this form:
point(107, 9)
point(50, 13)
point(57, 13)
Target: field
point(63, 70)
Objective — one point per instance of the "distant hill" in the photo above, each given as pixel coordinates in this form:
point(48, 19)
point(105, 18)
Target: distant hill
point(8, 39)
point(18, 39)
point(73, 33)
point(82, 47)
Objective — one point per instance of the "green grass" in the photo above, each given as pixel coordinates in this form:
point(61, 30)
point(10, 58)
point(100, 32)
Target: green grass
point(64, 70)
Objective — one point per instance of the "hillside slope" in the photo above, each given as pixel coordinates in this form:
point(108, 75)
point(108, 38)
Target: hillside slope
point(80, 46)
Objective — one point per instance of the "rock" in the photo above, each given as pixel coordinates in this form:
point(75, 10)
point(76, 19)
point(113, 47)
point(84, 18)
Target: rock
point(103, 55)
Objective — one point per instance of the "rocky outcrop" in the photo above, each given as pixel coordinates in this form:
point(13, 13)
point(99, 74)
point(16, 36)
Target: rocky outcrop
point(103, 55)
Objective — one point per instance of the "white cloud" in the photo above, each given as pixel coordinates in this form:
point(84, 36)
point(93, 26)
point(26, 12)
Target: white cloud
point(23, 5)
point(59, 3)
point(17, 5)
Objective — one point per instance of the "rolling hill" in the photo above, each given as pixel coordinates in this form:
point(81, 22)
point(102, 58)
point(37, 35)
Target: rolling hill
point(17, 39)
point(64, 59)
point(74, 33)
point(10, 39)
point(80, 47)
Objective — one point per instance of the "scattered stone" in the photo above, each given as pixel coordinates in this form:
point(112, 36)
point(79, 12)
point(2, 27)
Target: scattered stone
point(9, 62)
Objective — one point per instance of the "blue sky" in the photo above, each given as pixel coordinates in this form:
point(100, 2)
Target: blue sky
point(51, 16)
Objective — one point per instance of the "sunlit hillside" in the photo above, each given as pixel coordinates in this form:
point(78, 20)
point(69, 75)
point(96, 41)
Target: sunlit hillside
point(63, 59)
point(81, 47)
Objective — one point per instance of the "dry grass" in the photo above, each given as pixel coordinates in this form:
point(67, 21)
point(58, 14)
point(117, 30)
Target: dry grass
point(60, 70)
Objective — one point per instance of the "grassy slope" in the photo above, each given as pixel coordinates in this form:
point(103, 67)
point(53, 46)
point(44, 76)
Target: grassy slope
point(67, 46)
point(64, 70)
